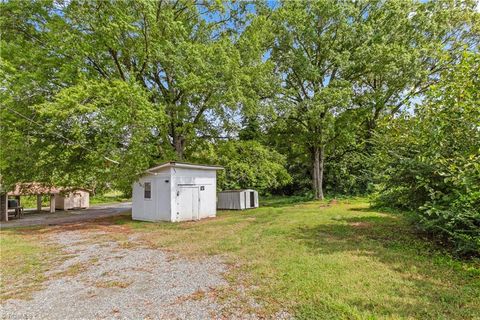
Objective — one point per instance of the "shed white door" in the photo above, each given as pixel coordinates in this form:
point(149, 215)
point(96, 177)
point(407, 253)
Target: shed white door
point(187, 203)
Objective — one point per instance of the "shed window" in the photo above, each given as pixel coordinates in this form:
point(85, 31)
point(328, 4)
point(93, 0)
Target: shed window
point(147, 190)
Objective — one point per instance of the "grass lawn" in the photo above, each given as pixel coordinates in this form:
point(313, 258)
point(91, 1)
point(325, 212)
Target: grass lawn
point(24, 261)
point(313, 259)
point(108, 197)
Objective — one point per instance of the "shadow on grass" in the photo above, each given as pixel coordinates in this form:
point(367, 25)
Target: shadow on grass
point(362, 209)
point(377, 209)
point(351, 234)
point(280, 201)
point(434, 276)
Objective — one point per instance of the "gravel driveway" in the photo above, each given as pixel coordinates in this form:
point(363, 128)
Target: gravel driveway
point(113, 280)
point(70, 216)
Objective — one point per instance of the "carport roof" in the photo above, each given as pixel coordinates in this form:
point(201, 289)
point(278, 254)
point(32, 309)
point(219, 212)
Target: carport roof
point(31, 188)
point(36, 188)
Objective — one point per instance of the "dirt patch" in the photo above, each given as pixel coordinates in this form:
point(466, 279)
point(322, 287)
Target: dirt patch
point(360, 225)
point(329, 204)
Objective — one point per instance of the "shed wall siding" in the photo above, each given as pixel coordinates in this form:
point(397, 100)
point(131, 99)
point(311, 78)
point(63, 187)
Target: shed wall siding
point(67, 202)
point(236, 200)
point(157, 208)
point(229, 200)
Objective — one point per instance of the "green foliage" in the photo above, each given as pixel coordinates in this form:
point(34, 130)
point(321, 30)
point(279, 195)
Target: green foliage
point(248, 164)
point(113, 120)
point(348, 173)
point(315, 90)
point(346, 65)
point(182, 61)
point(430, 163)
point(77, 134)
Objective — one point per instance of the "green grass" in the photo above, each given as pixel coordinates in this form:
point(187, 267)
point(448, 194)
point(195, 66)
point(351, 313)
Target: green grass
point(324, 261)
point(31, 201)
point(24, 260)
point(108, 197)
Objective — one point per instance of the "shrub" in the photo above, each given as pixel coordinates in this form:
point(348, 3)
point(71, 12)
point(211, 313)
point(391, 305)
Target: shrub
point(430, 161)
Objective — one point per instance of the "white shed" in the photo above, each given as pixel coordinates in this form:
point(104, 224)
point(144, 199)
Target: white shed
point(237, 199)
point(74, 199)
point(175, 191)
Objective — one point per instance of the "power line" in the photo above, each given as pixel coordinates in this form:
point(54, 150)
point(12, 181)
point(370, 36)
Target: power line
point(58, 134)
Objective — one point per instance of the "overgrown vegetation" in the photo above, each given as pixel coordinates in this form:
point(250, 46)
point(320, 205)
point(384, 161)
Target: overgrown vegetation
point(430, 162)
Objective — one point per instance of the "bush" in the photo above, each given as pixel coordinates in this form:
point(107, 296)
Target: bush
point(430, 162)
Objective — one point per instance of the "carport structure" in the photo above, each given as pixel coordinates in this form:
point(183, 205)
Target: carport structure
point(28, 189)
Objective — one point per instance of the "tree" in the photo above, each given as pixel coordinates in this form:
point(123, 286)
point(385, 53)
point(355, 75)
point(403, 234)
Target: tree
point(184, 53)
point(76, 136)
point(344, 65)
point(184, 57)
point(31, 74)
point(404, 47)
point(313, 42)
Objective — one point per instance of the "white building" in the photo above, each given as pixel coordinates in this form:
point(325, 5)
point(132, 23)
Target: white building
point(75, 199)
point(237, 199)
point(175, 191)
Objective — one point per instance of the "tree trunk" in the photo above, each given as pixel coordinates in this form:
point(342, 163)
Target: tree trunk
point(179, 145)
point(317, 176)
point(370, 129)
point(371, 125)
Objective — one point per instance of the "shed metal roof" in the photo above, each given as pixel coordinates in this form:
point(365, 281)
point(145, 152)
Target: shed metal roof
point(185, 165)
point(238, 190)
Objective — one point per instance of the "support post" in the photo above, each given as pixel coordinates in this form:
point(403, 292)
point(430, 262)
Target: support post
point(52, 203)
point(4, 207)
point(39, 202)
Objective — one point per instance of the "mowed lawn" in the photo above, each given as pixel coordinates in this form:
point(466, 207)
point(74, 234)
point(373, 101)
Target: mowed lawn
point(317, 260)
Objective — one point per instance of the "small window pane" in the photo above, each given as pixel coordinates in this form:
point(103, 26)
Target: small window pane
point(148, 190)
